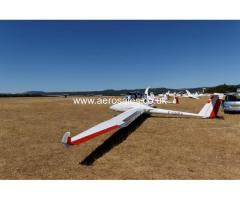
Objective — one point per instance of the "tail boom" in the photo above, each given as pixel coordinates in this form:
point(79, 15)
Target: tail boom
point(209, 110)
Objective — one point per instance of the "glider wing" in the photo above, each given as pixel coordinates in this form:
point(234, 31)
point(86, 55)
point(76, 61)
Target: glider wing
point(120, 121)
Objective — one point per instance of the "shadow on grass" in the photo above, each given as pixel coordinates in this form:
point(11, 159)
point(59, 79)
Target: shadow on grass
point(116, 139)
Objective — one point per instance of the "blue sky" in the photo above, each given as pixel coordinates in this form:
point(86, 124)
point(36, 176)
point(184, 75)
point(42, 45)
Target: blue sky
point(96, 55)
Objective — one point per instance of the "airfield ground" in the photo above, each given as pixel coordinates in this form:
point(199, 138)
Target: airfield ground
point(160, 148)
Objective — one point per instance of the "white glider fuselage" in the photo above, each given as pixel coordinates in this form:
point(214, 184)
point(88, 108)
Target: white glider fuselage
point(122, 107)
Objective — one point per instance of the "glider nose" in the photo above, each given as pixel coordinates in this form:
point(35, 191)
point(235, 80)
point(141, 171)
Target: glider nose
point(113, 107)
point(116, 107)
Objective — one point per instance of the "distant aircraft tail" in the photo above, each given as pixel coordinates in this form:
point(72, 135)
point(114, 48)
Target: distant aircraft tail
point(149, 99)
point(188, 93)
point(146, 92)
point(210, 109)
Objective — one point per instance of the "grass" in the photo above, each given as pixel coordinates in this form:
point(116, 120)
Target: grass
point(156, 147)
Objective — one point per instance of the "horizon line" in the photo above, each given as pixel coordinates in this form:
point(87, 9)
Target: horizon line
point(114, 89)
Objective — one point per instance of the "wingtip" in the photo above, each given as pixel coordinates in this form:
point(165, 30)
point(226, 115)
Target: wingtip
point(65, 138)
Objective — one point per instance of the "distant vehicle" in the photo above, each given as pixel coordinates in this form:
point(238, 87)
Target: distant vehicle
point(231, 103)
point(221, 95)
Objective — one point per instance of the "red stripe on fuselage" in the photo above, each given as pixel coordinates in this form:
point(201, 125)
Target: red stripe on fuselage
point(215, 109)
point(89, 137)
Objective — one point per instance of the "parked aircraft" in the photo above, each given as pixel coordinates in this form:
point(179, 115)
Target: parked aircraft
point(171, 94)
point(161, 98)
point(131, 111)
point(190, 95)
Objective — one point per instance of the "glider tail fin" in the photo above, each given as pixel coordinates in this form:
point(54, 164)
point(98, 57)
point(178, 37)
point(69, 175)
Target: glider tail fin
point(210, 109)
point(189, 93)
point(146, 92)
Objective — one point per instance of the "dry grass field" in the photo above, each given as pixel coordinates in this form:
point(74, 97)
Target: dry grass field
point(157, 147)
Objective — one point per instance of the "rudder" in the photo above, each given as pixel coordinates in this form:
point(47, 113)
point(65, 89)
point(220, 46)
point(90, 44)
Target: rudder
point(210, 109)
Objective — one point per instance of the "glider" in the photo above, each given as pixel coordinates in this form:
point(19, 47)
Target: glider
point(190, 95)
point(130, 112)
